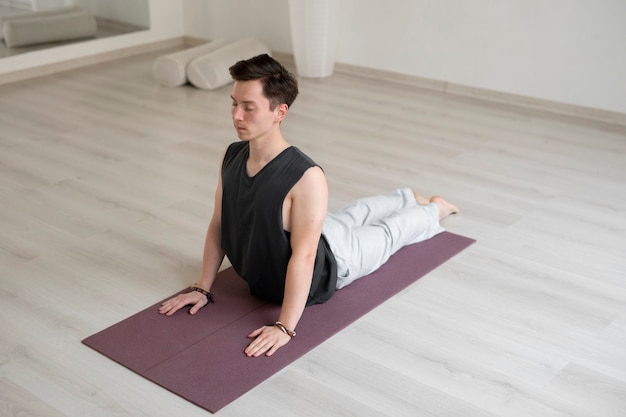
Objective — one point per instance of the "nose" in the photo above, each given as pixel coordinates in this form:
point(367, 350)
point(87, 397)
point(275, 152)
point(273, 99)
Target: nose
point(236, 113)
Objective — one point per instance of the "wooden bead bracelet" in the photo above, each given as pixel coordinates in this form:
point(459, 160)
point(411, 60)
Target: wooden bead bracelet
point(208, 294)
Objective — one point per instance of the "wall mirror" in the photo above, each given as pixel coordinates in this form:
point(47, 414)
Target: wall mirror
point(32, 25)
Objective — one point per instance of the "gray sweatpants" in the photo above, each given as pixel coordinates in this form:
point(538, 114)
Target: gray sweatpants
point(364, 234)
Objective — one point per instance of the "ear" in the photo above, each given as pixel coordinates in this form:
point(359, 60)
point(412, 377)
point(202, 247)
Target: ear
point(280, 112)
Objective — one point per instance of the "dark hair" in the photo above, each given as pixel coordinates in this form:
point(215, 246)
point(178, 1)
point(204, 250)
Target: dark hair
point(279, 85)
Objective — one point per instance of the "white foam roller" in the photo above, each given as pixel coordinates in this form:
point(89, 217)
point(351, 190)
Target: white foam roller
point(44, 29)
point(171, 70)
point(210, 71)
point(30, 15)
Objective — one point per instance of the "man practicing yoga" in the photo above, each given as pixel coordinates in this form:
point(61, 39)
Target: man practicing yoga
point(270, 216)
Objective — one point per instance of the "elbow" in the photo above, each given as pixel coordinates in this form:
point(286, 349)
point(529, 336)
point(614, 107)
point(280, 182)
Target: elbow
point(306, 259)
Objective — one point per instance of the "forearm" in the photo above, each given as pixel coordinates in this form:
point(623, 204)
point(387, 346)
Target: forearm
point(297, 288)
point(212, 258)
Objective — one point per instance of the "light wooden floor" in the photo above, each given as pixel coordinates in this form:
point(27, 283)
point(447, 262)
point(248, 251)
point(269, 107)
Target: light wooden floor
point(106, 183)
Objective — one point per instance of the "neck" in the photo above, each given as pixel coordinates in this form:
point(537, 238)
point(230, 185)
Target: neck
point(264, 150)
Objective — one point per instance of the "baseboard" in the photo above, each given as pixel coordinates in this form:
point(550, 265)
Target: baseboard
point(191, 41)
point(49, 69)
point(489, 96)
point(414, 81)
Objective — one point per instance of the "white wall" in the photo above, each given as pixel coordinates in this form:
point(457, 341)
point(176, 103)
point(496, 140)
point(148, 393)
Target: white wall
point(569, 51)
point(267, 20)
point(166, 22)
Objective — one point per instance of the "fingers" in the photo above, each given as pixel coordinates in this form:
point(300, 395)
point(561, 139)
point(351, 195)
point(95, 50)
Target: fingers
point(255, 333)
point(197, 307)
point(267, 340)
point(272, 351)
point(174, 304)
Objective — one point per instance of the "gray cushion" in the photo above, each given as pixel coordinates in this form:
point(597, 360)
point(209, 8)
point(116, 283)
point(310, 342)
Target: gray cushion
point(30, 15)
point(53, 28)
point(171, 69)
point(210, 71)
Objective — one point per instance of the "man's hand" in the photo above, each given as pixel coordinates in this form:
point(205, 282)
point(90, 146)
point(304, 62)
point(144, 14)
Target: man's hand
point(267, 339)
point(171, 306)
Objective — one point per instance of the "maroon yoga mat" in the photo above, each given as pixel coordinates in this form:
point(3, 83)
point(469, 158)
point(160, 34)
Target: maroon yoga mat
point(200, 357)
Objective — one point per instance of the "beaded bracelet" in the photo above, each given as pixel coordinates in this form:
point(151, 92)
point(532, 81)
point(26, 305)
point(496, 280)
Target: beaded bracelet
point(208, 294)
point(290, 333)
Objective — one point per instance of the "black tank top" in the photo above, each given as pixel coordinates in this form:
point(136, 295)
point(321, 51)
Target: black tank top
point(253, 236)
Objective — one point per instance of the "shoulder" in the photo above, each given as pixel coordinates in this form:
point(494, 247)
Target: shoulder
point(301, 156)
point(236, 147)
point(233, 150)
point(311, 184)
point(312, 174)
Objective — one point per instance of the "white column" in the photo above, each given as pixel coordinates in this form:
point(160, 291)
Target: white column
point(314, 33)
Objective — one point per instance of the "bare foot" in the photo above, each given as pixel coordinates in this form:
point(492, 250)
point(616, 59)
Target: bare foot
point(422, 201)
point(445, 208)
